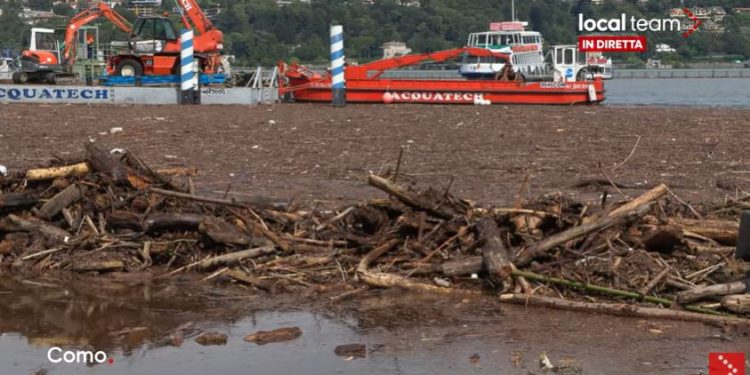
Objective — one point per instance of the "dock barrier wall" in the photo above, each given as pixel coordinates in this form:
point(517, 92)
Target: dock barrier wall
point(132, 95)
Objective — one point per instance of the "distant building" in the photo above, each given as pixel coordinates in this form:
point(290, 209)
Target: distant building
point(32, 17)
point(664, 48)
point(718, 14)
point(710, 25)
point(712, 18)
point(144, 3)
point(282, 3)
point(393, 49)
point(143, 8)
point(741, 10)
point(409, 3)
point(701, 13)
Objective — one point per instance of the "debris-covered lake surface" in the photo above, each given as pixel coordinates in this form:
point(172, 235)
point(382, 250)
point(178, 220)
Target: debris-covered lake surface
point(139, 324)
point(403, 271)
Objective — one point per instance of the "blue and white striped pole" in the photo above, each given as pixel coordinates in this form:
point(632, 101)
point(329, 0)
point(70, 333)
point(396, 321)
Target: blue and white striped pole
point(188, 78)
point(338, 85)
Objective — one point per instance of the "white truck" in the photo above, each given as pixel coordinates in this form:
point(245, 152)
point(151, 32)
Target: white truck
point(7, 68)
point(570, 65)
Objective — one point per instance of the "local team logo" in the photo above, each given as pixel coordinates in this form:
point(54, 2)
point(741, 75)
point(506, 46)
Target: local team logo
point(726, 364)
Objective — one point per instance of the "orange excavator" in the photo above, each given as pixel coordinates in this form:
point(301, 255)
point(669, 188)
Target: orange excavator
point(153, 46)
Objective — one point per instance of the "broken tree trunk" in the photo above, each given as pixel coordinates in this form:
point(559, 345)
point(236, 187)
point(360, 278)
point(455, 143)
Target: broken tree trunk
point(739, 303)
point(495, 257)
point(408, 197)
point(61, 200)
point(700, 293)
point(102, 161)
point(41, 174)
point(722, 231)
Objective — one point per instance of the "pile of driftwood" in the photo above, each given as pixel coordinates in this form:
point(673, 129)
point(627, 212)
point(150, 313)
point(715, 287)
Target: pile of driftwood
point(649, 256)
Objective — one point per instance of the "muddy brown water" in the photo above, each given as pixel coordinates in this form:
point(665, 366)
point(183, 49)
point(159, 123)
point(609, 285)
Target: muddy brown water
point(404, 333)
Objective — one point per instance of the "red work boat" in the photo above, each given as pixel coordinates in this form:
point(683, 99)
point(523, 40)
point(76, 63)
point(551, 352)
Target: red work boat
point(364, 85)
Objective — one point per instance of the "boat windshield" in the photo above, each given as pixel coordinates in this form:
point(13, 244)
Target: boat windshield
point(496, 40)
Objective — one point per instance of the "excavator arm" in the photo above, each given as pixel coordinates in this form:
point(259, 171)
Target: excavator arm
point(362, 71)
point(100, 9)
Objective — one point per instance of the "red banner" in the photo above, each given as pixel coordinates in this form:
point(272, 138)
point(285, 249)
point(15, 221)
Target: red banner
point(726, 363)
point(612, 43)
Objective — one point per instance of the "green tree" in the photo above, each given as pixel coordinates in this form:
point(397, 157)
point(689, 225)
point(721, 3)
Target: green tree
point(12, 28)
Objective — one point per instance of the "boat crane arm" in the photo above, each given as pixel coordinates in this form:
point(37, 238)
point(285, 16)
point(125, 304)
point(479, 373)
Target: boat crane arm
point(100, 9)
point(361, 71)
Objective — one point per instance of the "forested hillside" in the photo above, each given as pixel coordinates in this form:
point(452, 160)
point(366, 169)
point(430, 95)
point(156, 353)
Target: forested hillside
point(261, 31)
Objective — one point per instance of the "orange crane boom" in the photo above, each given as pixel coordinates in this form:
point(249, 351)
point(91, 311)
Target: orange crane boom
point(362, 71)
point(194, 12)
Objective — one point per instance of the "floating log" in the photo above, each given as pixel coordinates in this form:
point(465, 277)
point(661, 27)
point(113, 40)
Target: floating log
point(40, 174)
point(212, 338)
point(410, 199)
point(103, 266)
point(16, 201)
point(234, 258)
point(386, 280)
point(172, 222)
point(622, 309)
point(119, 219)
point(700, 293)
point(739, 303)
point(462, 267)
point(277, 335)
point(351, 350)
point(40, 227)
point(61, 200)
point(722, 231)
point(635, 207)
point(220, 231)
point(527, 255)
point(244, 278)
point(647, 197)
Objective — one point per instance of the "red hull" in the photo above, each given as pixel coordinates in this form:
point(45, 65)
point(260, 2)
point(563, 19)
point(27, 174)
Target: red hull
point(449, 91)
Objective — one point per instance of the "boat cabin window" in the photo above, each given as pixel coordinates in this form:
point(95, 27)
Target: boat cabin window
point(568, 52)
point(482, 39)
